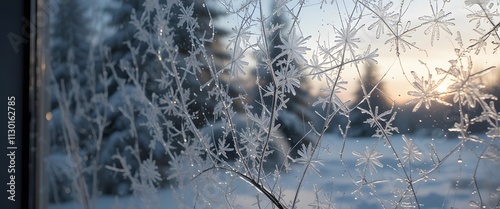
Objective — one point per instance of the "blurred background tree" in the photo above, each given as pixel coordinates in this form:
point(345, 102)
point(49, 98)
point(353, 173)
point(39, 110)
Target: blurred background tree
point(371, 85)
point(296, 118)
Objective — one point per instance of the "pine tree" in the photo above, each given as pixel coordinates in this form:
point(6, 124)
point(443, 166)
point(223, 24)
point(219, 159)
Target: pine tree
point(69, 50)
point(294, 120)
point(182, 40)
point(372, 89)
point(68, 37)
point(150, 70)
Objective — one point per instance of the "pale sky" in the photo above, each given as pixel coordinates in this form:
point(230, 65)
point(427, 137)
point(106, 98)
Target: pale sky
point(318, 23)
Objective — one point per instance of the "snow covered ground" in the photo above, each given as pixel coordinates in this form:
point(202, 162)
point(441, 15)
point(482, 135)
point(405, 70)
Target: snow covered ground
point(449, 186)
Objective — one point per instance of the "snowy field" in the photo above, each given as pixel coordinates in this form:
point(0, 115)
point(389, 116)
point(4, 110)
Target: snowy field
point(449, 186)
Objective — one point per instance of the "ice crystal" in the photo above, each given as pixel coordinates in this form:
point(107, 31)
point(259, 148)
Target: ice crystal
point(346, 37)
point(289, 78)
point(149, 172)
point(237, 62)
point(426, 91)
point(436, 22)
point(375, 117)
point(294, 46)
point(186, 16)
point(369, 158)
point(306, 157)
point(411, 151)
point(400, 37)
point(384, 17)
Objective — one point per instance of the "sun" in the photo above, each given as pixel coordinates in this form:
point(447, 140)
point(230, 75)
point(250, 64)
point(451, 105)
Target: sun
point(442, 88)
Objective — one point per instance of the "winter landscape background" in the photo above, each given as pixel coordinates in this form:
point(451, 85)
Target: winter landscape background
point(273, 104)
point(449, 187)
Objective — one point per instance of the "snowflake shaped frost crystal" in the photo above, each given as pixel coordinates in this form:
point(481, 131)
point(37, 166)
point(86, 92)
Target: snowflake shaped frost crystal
point(437, 21)
point(370, 158)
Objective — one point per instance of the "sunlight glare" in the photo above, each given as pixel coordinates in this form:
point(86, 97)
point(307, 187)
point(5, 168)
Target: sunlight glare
point(442, 88)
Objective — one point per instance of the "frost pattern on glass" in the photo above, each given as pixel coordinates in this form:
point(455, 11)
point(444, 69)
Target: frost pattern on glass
point(211, 101)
